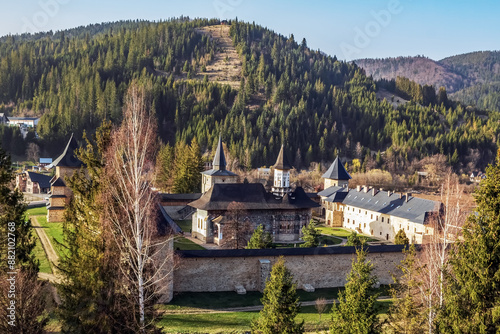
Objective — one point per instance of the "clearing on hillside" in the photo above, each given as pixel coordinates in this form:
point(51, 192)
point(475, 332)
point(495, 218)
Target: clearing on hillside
point(225, 68)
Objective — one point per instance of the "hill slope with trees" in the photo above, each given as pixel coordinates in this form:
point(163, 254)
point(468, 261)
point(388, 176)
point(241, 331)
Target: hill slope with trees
point(315, 104)
point(472, 78)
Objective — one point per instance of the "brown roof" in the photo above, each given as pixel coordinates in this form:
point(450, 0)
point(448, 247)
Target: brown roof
point(252, 196)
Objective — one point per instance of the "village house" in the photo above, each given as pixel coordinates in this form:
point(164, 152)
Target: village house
point(60, 194)
point(283, 212)
point(33, 183)
point(374, 212)
point(30, 122)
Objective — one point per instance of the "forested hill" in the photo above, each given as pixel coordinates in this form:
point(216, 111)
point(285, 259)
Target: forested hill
point(316, 105)
point(472, 78)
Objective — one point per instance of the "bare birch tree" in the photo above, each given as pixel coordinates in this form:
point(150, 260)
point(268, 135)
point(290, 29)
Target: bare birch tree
point(434, 255)
point(132, 205)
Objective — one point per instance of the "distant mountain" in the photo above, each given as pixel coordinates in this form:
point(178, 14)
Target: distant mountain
point(472, 78)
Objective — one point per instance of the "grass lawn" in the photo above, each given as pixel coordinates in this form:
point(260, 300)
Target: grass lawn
point(41, 211)
point(227, 299)
point(181, 243)
point(335, 231)
point(41, 256)
point(327, 240)
point(185, 225)
point(239, 322)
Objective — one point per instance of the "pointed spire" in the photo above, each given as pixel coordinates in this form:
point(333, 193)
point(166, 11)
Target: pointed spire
point(337, 171)
point(219, 159)
point(68, 157)
point(282, 162)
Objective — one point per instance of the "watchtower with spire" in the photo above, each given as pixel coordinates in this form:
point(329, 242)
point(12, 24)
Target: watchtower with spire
point(336, 175)
point(281, 184)
point(218, 173)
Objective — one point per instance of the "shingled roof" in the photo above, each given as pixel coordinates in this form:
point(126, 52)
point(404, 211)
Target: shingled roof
point(68, 158)
point(337, 171)
point(42, 180)
point(412, 208)
point(282, 161)
point(253, 196)
point(219, 163)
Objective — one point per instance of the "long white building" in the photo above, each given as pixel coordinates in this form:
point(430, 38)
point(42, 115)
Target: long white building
point(380, 214)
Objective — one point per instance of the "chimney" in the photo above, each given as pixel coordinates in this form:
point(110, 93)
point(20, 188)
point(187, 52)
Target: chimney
point(407, 197)
point(374, 191)
point(366, 189)
point(358, 188)
point(388, 193)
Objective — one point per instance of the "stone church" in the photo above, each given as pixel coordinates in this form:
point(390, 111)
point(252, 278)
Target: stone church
point(283, 211)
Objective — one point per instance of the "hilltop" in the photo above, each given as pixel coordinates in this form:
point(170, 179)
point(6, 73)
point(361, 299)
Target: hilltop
point(472, 78)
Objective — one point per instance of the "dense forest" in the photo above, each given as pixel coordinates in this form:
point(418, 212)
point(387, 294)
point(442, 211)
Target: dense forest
point(315, 104)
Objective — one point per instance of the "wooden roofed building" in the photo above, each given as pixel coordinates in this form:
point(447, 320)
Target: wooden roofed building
point(60, 194)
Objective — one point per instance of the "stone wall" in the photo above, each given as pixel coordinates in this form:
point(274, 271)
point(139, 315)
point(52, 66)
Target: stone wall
point(323, 267)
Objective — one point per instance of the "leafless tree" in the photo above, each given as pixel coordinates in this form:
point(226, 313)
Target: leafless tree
point(434, 255)
point(320, 304)
point(132, 205)
point(236, 227)
point(33, 152)
point(30, 315)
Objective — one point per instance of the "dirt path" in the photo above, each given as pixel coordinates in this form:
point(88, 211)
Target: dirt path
point(49, 251)
point(225, 68)
point(244, 309)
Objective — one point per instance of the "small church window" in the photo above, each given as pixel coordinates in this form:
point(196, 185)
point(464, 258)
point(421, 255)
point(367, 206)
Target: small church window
point(382, 219)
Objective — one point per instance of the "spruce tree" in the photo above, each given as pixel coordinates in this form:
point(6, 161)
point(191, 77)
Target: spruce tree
point(260, 239)
point(281, 304)
point(401, 238)
point(472, 296)
point(310, 235)
point(90, 297)
point(355, 312)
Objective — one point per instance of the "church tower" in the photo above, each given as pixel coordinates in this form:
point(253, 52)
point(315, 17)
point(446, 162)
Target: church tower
point(281, 184)
point(218, 173)
point(336, 175)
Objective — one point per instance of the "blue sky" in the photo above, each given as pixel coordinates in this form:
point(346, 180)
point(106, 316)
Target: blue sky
point(350, 29)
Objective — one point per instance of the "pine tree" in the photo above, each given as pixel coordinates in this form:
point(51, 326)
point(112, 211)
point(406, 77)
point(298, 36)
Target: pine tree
point(355, 312)
point(260, 239)
point(89, 292)
point(407, 313)
point(472, 298)
point(17, 235)
point(310, 235)
point(281, 304)
point(401, 238)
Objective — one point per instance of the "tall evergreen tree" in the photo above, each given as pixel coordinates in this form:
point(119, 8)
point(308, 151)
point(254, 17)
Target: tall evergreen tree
point(281, 304)
point(260, 239)
point(472, 296)
point(91, 302)
point(355, 312)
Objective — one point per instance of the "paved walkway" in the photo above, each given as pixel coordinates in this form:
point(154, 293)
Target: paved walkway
point(188, 236)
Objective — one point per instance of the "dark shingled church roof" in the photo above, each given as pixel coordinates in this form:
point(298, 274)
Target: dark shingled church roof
point(282, 161)
point(42, 180)
point(337, 171)
point(68, 158)
point(219, 164)
point(253, 196)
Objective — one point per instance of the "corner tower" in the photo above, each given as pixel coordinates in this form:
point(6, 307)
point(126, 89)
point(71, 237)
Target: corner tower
point(336, 175)
point(281, 184)
point(218, 173)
